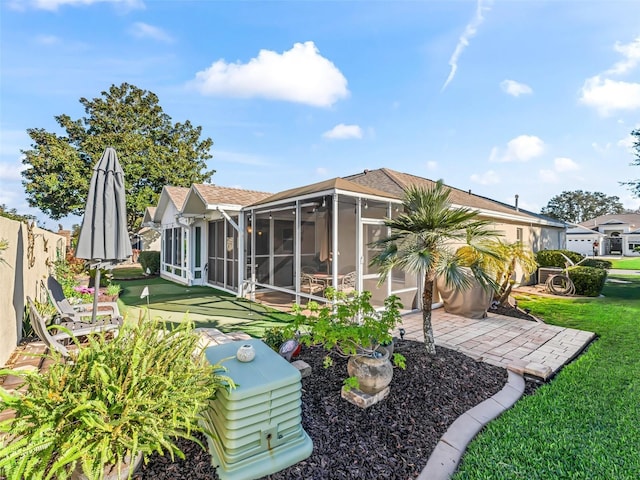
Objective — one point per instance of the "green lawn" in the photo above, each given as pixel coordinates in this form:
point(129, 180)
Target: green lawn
point(205, 306)
point(626, 263)
point(584, 424)
point(120, 273)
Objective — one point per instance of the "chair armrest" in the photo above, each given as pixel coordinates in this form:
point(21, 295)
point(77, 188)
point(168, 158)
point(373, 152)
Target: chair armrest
point(86, 309)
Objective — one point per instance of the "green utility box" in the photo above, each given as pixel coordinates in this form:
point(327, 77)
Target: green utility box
point(257, 425)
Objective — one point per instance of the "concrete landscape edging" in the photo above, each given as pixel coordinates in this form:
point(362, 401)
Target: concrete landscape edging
point(445, 458)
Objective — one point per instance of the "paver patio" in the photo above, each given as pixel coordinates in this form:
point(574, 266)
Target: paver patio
point(523, 346)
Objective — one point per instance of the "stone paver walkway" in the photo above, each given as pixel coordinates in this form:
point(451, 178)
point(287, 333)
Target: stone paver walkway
point(523, 346)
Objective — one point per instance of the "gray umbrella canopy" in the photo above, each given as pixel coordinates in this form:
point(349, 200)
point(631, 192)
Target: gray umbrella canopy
point(104, 238)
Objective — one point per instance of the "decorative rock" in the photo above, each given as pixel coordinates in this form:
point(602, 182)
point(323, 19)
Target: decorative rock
point(364, 400)
point(303, 367)
point(246, 353)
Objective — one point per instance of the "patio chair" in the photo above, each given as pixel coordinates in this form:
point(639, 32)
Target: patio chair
point(77, 312)
point(76, 328)
point(308, 284)
point(347, 283)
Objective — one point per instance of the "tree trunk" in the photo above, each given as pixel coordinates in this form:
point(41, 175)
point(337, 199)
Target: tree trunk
point(427, 300)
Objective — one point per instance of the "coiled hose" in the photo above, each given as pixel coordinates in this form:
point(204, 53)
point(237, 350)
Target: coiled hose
point(560, 284)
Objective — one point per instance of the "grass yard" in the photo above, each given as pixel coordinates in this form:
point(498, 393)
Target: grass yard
point(125, 273)
point(626, 263)
point(205, 306)
point(585, 424)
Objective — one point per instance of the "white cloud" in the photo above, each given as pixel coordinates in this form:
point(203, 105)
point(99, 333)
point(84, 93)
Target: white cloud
point(628, 142)
point(53, 5)
point(299, 75)
point(515, 89)
point(47, 40)
point(601, 148)
point(469, 32)
point(487, 178)
point(520, 149)
point(548, 176)
point(607, 95)
point(343, 132)
point(564, 164)
point(11, 171)
point(432, 166)
point(631, 57)
point(144, 30)
point(322, 171)
point(240, 158)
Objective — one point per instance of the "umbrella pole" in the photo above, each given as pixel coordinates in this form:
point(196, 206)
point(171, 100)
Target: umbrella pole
point(96, 293)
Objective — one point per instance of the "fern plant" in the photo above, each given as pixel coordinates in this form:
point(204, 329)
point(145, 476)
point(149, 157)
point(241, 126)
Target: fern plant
point(116, 399)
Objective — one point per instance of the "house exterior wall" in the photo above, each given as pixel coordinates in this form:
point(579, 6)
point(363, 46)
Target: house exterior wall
point(582, 243)
point(534, 237)
point(629, 241)
point(168, 267)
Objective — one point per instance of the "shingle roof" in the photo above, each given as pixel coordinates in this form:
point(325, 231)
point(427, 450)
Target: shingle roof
point(177, 195)
point(395, 183)
point(212, 194)
point(331, 184)
point(149, 213)
point(630, 218)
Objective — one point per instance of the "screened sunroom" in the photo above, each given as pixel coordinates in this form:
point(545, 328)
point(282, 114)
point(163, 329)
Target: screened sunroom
point(302, 241)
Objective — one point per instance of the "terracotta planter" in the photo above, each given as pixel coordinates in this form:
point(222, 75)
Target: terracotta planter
point(373, 374)
point(103, 297)
point(111, 471)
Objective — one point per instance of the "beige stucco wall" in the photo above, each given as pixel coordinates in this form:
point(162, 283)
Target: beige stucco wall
point(535, 237)
point(24, 264)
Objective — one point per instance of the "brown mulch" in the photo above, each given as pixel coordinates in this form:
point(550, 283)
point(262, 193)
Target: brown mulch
point(392, 439)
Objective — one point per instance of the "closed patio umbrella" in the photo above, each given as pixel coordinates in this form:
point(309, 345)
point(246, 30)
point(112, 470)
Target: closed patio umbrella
point(104, 238)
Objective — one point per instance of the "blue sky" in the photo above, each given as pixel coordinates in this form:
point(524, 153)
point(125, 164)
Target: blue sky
point(499, 97)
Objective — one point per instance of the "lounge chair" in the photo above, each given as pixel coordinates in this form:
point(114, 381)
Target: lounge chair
point(75, 328)
point(77, 312)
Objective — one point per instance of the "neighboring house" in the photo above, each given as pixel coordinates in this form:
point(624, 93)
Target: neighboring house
point(620, 233)
point(585, 241)
point(238, 239)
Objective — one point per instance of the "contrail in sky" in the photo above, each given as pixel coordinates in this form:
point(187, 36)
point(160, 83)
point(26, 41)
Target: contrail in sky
point(469, 32)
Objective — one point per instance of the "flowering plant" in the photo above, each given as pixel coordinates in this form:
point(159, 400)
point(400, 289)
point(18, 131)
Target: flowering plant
point(83, 290)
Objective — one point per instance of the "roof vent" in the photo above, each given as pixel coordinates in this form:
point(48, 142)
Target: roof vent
point(469, 191)
point(517, 197)
point(366, 170)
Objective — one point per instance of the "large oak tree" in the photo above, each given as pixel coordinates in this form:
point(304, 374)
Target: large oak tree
point(152, 150)
point(578, 206)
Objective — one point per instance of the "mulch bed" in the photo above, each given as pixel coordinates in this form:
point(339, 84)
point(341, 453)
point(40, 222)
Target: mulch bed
point(511, 311)
point(392, 439)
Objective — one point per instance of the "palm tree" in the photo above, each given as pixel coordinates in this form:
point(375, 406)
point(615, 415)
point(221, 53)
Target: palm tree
point(423, 241)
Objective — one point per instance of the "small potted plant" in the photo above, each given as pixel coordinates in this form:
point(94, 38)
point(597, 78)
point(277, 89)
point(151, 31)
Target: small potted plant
point(110, 293)
point(116, 402)
point(351, 327)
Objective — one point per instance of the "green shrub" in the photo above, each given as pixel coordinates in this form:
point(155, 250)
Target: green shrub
point(554, 258)
point(596, 263)
point(589, 281)
point(150, 260)
point(105, 277)
point(274, 337)
point(135, 394)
